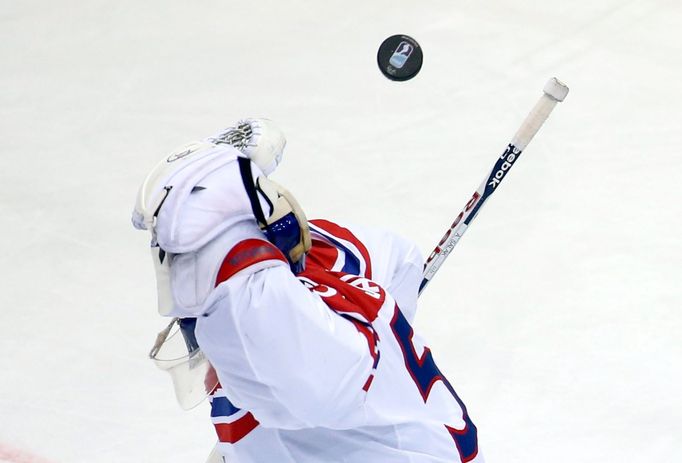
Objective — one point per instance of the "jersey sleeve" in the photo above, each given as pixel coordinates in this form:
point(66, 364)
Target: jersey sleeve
point(398, 266)
point(282, 354)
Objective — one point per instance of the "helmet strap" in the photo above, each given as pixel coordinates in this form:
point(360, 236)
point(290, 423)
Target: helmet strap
point(250, 187)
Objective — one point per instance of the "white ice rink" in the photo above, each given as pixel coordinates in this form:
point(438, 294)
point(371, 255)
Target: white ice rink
point(558, 318)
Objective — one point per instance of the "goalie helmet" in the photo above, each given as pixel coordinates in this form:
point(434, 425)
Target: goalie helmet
point(201, 201)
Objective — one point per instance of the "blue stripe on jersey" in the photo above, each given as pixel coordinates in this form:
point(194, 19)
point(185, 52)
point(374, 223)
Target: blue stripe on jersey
point(221, 406)
point(352, 263)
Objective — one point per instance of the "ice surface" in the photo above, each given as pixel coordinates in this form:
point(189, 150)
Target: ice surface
point(557, 318)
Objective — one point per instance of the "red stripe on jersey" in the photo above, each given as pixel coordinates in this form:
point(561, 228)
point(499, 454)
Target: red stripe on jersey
point(234, 432)
point(368, 383)
point(345, 234)
point(322, 255)
point(245, 254)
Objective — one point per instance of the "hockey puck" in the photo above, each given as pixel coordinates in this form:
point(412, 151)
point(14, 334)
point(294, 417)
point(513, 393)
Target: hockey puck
point(400, 57)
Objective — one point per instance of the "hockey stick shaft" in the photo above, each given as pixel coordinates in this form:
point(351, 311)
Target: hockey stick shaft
point(553, 92)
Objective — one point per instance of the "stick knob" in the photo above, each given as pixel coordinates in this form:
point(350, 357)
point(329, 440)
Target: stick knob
point(556, 89)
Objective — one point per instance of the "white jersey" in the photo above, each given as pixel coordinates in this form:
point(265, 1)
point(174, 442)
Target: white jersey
point(325, 366)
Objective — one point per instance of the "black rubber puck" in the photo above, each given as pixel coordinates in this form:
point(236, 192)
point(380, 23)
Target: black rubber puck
point(400, 57)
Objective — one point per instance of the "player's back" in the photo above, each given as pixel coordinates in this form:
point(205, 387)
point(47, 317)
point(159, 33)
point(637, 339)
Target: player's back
point(408, 410)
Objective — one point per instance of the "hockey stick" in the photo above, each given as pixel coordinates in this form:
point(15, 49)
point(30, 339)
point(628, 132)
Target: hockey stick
point(554, 92)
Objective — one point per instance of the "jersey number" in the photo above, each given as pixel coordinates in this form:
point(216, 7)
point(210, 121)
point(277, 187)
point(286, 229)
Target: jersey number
point(425, 374)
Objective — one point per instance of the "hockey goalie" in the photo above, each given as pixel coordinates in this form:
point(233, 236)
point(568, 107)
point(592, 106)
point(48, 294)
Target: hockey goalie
point(300, 333)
